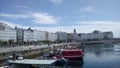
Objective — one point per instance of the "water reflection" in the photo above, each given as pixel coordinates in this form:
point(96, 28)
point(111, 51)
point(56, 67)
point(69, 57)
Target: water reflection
point(102, 49)
point(102, 56)
point(74, 64)
point(117, 49)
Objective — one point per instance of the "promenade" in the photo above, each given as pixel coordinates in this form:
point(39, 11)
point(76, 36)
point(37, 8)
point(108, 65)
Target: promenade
point(23, 48)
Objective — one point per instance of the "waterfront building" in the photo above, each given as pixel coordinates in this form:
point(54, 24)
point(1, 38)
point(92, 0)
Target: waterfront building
point(108, 35)
point(43, 35)
point(83, 36)
point(39, 35)
point(61, 36)
point(28, 35)
point(8, 34)
point(96, 35)
point(75, 36)
point(52, 36)
point(34, 35)
point(69, 37)
point(19, 35)
point(72, 37)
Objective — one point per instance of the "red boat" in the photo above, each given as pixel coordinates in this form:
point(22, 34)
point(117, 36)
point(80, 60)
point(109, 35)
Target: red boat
point(71, 54)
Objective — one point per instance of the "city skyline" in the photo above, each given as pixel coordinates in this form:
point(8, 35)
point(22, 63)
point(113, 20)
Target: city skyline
point(62, 15)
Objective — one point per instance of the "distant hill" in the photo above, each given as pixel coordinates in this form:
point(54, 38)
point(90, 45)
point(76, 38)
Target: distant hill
point(4, 26)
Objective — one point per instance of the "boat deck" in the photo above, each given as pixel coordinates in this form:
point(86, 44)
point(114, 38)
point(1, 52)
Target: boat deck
point(33, 61)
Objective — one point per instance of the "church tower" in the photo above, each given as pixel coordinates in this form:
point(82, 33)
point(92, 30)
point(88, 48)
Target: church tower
point(75, 36)
point(74, 31)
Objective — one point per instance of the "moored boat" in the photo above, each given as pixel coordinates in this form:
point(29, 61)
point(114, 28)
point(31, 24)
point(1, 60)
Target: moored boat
point(19, 62)
point(71, 54)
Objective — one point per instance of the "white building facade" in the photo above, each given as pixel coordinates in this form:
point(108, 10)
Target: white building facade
point(8, 34)
point(96, 35)
point(34, 35)
point(52, 36)
point(28, 35)
point(62, 36)
point(108, 35)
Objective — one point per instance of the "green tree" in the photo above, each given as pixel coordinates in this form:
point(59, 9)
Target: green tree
point(11, 41)
point(46, 41)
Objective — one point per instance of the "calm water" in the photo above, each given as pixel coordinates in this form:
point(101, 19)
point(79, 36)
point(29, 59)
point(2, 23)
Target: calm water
point(100, 56)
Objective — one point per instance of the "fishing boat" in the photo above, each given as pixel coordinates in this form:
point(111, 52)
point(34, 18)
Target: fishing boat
point(72, 54)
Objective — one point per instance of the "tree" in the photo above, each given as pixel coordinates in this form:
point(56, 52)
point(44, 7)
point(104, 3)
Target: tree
point(11, 41)
point(46, 41)
point(60, 41)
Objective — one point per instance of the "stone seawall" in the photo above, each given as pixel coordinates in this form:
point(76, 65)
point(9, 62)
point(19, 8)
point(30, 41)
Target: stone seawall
point(27, 52)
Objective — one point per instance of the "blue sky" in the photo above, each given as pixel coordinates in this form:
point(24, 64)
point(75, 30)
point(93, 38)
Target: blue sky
point(62, 15)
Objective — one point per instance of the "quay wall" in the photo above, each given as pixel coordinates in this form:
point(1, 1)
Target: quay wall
point(27, 51)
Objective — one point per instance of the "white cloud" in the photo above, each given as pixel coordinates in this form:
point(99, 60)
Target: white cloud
point(25, 7)
point(13, 16)
point(44, 18)
point(57, 2)
point(39, 18)
point(87, 9)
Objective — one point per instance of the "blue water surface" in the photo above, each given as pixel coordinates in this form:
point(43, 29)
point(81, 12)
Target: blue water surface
point(99, 56)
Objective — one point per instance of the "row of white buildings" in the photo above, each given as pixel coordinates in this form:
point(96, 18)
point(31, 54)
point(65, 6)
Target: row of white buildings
point(28, 35)
point(97, 35)
point(7, 34)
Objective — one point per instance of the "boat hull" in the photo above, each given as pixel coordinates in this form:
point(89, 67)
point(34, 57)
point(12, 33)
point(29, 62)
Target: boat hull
point(75, 58)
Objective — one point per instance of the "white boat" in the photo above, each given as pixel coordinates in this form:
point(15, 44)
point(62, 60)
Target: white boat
point(35, 63)
point(31, 63)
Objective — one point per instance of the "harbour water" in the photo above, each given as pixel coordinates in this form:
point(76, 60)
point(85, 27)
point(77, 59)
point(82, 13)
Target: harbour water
point(100, 56)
